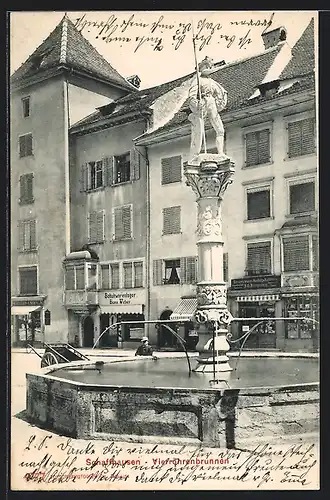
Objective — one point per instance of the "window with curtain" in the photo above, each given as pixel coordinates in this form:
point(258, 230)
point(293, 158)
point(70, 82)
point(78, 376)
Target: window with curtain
point(172, 272)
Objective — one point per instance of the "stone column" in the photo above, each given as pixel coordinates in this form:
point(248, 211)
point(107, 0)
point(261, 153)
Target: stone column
point(209, 175)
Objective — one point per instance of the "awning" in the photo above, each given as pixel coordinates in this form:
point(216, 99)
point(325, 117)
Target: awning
point(23, 310)
point(258, 298)
point(184, 310)
point(122, 309)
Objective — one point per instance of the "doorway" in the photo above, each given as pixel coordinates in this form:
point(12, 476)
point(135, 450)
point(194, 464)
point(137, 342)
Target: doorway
point(88, 332)
point(264, 336)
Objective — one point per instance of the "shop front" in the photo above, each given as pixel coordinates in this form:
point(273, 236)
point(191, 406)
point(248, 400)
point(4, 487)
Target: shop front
point(253, 300)
point(184, 326)
point(126, 307)
point(27, 320)
point(302, 330)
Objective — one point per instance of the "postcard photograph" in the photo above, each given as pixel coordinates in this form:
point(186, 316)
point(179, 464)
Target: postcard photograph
point(164, 283)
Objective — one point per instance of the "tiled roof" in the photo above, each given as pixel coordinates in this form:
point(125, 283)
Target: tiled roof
point(303, 55)
point(66, 46)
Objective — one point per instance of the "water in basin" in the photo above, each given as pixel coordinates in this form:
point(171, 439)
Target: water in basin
point(145, 372)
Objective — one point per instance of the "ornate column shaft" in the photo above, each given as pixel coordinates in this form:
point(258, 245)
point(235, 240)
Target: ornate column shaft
point(209, 175)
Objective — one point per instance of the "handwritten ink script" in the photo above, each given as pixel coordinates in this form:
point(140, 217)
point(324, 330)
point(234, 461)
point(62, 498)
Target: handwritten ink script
point(54, 462)
point(160, 32)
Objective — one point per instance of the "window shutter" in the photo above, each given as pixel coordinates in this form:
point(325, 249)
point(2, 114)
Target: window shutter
point(296, 253)
point(22, 188)
point(308, 133)
point(225, 267)
point(301, 137)
point(157, 272)
point(172, 220)
point(108, 166)
point(123, 221)
point(171, 169)
point(100, 216)
point(251, 146)
point(135, 160)
point(21, 236)
point(259, 258)
point(92, 227)
point(84, 178)
point(188, 270)
point(33, 239)
point(29, 187)
point(263, 146)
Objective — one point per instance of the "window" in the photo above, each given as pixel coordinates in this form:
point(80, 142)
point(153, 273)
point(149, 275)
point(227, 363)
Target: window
point(96, 174)
point(122, 168)
point(27, 235)
point(301, 137)
point(296, 253)
point(302, 198)
point(26, 189)
point(175, 271)
point(258, 203)
point(123, 223)
point(138, 274)
point(114, 275)
point(315, 253)
point(258, 258)
point(171, 169)
point(301, 306)
point(26, 107)
point(75, 277)
point(25, 145)
point(172, 220)
point(105, 276)
point(128, 274)
point(28, 281)
point(257, 147)
point(96, 227)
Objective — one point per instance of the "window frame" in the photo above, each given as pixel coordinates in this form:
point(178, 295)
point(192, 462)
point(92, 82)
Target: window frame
point(310, 235)
point(91, 166)
point(297, 117)
point(27, 266)
point(257, 128)
point(23, 101)
point(298, 181)
point(161, 170)
point(28, 222)
point(114, 224)
point(19, 145)
point(115, 172)
point(121, 273)
point(165, 282)
point(257, 186)
point(24, 200)
point(180, 220)
point(254, 242)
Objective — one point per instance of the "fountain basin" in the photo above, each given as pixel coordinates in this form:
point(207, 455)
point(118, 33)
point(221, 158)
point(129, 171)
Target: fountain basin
point(141, 400)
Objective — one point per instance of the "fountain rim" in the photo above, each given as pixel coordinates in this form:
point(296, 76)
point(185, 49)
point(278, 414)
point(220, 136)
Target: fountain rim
point(259, 390)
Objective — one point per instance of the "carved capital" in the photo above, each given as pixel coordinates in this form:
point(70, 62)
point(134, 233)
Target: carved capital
point(209, 178)
point(220, 316)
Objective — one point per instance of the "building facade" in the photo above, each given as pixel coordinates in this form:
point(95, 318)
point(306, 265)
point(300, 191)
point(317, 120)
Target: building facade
point(119, 221)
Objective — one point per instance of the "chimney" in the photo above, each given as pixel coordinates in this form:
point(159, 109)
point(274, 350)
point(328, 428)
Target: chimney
point(273, 37)
point(134, 80)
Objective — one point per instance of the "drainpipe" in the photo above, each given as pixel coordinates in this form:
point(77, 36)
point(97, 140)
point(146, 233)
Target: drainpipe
point(66, 168)
point(148, 274)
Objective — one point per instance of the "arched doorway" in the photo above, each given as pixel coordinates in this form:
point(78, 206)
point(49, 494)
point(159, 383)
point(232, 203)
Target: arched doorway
point(165, 338)
point(88, 332)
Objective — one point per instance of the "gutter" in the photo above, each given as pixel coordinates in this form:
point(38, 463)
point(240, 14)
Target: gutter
point(241, 113)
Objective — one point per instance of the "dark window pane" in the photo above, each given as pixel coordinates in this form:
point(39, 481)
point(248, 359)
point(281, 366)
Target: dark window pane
point(28, 281)
point(258, 204)
point(302, 198)
point(122, 168)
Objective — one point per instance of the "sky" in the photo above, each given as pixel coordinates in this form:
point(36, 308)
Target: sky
point(156, 45)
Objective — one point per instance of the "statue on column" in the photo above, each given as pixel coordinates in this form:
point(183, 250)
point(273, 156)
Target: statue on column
point(207, 98)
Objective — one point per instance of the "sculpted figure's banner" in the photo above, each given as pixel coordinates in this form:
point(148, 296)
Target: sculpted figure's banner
point(207, 98)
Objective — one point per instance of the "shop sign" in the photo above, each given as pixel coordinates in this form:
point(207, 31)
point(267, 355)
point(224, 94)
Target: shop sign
point(256, 282)
point(127, 297)
point(26, 303)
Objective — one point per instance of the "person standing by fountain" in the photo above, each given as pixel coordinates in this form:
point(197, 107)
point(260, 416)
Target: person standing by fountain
point(144, 349)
